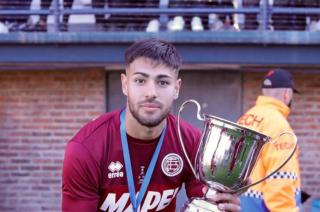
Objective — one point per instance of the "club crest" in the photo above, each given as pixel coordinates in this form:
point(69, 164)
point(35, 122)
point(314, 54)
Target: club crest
point(172, 165)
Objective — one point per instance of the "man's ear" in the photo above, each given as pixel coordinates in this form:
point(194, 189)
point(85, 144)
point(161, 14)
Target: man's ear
point(177, 88)
point(287, 95)
point(124, 84)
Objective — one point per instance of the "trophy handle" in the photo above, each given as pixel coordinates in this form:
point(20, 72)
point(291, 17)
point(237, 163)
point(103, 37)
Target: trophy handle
point(240, 190)
point(199, 117)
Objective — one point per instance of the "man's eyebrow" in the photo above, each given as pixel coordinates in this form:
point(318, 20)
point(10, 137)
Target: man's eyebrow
point(163, 76)
point(141, 73)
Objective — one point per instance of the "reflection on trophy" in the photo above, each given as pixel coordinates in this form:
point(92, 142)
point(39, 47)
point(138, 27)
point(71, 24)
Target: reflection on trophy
point(225, 157)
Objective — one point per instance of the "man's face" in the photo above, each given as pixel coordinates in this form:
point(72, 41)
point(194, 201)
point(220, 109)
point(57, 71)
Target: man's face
point(150, 90)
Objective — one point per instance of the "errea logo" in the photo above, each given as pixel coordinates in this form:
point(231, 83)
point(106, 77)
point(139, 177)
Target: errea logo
point(114, 168)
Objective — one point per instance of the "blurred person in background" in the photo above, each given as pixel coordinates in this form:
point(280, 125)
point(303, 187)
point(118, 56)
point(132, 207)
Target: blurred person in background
point(251, 20)
point(14, 22)
point(45, 5)
point(313, 20)
point(288, 21)
point(280, 192)
point(226, 19)
point(200, 22)
point(194, 22)
point(125, 22)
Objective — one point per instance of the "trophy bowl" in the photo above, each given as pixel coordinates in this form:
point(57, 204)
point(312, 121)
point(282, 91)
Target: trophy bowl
point(225, 158)
point(227, 154)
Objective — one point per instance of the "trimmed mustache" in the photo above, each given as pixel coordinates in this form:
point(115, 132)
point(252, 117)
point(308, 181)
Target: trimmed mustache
point(151, 101)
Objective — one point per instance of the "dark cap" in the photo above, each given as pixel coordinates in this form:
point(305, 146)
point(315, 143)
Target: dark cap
point(278, 78)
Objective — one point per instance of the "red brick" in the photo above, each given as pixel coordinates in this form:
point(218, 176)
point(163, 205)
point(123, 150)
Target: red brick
point(40, 188)
point(20, 174)
point(64, 120)
point(43, 175)
point(30, 168)
point(4, 147)
point(8, 181)
point(8, 154)
point(51, 181)
point(20, 161)
point(51, 168)
point(20, 148)
point(42, 160)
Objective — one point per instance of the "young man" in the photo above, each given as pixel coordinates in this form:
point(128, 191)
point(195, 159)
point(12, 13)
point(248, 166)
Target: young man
point(281, 192)
point(131, 159)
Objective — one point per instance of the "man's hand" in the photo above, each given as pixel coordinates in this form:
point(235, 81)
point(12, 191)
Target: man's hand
point(224, 201)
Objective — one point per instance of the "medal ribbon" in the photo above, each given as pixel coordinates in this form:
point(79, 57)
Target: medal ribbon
point(126, 155)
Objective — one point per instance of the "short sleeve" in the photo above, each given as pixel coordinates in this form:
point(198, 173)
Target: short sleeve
point(80, 180)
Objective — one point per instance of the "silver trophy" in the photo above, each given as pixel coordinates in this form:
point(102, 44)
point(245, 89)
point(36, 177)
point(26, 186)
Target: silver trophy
point(225, 157)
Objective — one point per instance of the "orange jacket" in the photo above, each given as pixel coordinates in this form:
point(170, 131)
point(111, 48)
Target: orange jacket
point(281, 192)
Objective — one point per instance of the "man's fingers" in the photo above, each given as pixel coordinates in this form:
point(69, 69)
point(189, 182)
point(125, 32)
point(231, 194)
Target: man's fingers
point(229, 207)
point(224, 201)
point(225, 197)
point(204, 189)
point(228, 202)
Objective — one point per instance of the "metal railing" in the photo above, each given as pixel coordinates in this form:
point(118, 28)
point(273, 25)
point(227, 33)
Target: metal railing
point(236, 16)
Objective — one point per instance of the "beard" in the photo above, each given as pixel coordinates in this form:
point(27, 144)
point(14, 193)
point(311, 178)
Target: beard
point(148, 120)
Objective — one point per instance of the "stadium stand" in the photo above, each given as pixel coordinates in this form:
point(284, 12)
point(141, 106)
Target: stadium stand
point(157, 15)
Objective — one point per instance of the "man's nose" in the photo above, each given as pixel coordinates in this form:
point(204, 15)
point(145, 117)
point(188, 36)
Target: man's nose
point(151, 90)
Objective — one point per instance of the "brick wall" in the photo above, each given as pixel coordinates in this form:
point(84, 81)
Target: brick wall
point(305, 120)
point(39, 112)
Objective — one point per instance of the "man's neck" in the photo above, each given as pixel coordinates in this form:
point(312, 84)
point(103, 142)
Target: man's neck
point(136, 130)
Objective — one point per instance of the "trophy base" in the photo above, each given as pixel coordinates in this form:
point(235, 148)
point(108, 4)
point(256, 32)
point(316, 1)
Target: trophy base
point(201, 205)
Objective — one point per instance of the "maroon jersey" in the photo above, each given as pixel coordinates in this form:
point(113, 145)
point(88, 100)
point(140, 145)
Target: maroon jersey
point(94, 177)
